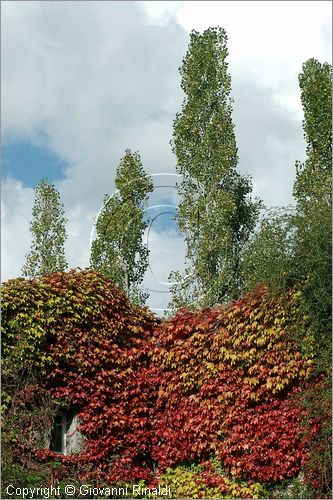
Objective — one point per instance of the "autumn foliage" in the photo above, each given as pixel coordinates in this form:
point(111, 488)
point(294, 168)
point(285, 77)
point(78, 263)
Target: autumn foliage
point(227, 380)
point(91, 345)
point(216, 388)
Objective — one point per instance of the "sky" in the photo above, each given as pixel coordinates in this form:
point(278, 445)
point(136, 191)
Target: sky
point(83, 81)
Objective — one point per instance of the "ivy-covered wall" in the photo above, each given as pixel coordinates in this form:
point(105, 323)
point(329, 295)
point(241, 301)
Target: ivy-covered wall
point(227, 381)
point(88, 346)
point(209, 402)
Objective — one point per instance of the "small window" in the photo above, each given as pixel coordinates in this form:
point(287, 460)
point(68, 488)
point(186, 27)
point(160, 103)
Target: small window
point(58, 434)
point(65, 436)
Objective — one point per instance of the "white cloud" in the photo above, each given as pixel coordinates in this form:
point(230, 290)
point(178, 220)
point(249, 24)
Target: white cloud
point(94, 78)
point(167, 253)
point(16, 205)
point(268, 41)
point(161, 12)
point(79, 227)
point(269, 142)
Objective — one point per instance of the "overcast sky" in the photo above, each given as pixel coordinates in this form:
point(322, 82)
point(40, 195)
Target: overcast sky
point(82, 81)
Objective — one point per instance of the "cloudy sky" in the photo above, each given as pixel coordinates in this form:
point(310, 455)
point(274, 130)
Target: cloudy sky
point(82, 81)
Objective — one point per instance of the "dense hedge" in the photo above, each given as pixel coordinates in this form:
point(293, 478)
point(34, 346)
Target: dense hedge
point(208, 402)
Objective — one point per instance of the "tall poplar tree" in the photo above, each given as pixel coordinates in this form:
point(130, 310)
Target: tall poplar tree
point(314, 175)
point(118, 251)
point(216, 214)
point(313, 193)
point(293, 246)
point(48, 228)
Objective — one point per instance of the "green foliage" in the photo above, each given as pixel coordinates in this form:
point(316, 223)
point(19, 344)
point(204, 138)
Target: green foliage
point(47, 252)
point(204, 481)
point(26, 419)
point(292, 247)
point(216, 214)
point(313, 261)
point(313, 192)
point(316, 93)
point(38, 478)
point(118, 251)
point(268, 258)
point(185, 483)
point(25, 324)
point(14, 474)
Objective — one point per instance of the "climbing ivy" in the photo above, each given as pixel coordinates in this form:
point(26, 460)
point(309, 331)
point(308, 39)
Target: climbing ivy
point(210, 402)
point(227, 381)
point(90, 345)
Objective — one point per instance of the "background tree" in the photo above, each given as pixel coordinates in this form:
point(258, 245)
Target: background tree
point(313, 193)
point(216, 214)
point(118, 251)
point(313, 254)
point(48, 228)
point(268, 257)
point(293, 246)
point(294, 249)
